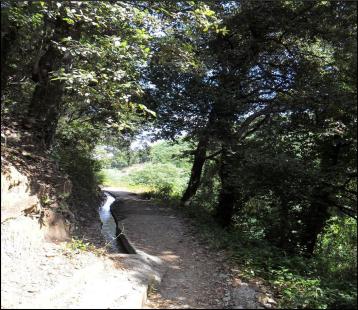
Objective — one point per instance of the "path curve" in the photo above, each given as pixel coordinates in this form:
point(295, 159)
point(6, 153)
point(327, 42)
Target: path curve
point(192, 276)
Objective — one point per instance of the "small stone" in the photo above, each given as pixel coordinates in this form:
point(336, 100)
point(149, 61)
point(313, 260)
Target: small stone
point(31, 291)
point(271, 301)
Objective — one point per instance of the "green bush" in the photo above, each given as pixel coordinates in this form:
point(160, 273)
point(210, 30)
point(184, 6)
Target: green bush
point(337, 248)
point(166, 180)
point(171, 153)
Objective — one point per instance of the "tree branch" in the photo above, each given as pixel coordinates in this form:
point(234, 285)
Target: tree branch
point(266, 111)
point(211, 156)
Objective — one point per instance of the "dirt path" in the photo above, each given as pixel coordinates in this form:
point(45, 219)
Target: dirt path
point(192, 276)
point(41, 275)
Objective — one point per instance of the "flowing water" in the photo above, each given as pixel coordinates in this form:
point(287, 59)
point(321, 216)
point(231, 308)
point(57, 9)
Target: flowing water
point(109, 225)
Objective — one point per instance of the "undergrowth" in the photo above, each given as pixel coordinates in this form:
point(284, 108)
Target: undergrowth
point(76, 245)
point(298, 282)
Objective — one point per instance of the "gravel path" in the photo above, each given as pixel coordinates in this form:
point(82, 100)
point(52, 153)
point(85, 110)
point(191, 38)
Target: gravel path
point(192, 276)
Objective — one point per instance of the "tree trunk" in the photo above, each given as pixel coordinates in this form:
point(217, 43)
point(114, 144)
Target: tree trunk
point(7, 37)
point(196, 171)
point(314, 221)
point(44, 109)
point(317, 214)
point(7, 41)
point(199, 161)
point(47, 97)
point(284, 231)
point(227, 196)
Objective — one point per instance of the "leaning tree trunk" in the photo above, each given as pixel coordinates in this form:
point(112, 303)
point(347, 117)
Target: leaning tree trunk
point(196, 171)
point(199, 161)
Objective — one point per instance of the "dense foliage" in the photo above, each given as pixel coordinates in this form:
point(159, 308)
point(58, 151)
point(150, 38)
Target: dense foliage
point(160, 169)
point(257, 98)
point(272, 101)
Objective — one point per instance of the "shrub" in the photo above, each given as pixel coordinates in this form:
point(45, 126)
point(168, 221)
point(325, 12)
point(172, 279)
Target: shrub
point(166, 180)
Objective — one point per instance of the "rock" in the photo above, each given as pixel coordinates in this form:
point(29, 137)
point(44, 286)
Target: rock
point(27, 154)
point(271, 301)
point(244, 296)
point(15, 195)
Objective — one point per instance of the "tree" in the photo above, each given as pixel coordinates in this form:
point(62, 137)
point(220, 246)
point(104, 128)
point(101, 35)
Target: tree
point(273, 60)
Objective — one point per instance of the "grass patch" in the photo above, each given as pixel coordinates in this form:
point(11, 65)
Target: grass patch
point(77, 245)
point(118, 178)
point(160, 180)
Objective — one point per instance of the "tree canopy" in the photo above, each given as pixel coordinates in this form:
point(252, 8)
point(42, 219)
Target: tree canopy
point(262, 93)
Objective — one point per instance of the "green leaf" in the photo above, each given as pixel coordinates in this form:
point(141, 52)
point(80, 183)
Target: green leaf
point(69, 20)
point(124, 44)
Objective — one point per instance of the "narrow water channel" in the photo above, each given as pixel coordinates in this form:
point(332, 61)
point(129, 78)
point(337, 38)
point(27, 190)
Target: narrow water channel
point(109, 225)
